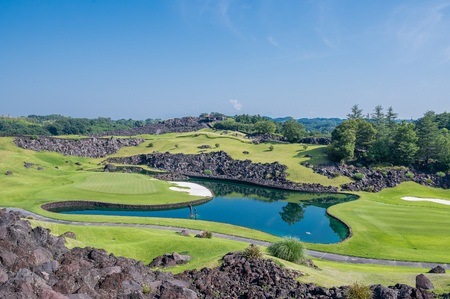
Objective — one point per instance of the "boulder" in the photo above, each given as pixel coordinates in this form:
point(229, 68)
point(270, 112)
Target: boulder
point(422, 282)
point(169, 260)
point(9, 172)
point(437, 270)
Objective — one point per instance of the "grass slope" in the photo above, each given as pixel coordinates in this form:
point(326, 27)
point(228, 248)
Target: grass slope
point(384, 226)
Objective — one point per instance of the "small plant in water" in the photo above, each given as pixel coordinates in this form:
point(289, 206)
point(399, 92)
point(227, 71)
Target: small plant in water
point(253, 252)
point(359, 291)
point(289, 249)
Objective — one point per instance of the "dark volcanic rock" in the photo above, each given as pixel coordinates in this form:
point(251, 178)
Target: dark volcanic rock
point(85, 147)
point(35, 264)
point(169, 260)
point(422, 282)
point(375, 180)
point(176, 125)
point(437, 270)
point(220, 165)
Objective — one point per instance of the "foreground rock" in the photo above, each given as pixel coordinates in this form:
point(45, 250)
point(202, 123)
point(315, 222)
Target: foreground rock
point(219, 165)
point(169, 260)
point(85, 147)
point(35, 264)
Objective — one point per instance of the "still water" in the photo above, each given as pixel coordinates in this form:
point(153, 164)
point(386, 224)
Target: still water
point(278, 212)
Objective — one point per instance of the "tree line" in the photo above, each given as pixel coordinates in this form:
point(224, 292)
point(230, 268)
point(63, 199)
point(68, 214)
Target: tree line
point(55, 124)
point(380, 139)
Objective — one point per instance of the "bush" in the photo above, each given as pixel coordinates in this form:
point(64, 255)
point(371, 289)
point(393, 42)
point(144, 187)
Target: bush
point(409, 175)
point(358, 176)
point(289, 249)
point(146, 289)
point(440, 174)
point(206, 234)
point(253, 252)
point(246, 152)
point(359, 291)
point(428, 181)
point(207, 171)
point(217, 145)
point(271, 148)
point(150, 144)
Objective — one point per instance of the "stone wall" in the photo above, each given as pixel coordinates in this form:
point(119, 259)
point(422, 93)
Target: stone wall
point(84, 147)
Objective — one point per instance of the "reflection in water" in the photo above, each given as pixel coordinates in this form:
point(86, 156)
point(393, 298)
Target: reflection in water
point(292, 213)
point(278, 212)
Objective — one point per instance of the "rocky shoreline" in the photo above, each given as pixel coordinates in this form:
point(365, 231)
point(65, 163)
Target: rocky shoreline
point(219, 165)
point(36, 264)
point(84, 147)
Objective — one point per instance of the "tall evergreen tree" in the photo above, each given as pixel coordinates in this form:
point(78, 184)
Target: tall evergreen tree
point(356, 113)
point(428, 133)
point(405, 145)
point(342, 147)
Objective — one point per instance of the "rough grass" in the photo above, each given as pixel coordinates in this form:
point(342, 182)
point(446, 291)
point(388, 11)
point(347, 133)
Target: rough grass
point(290, 155)
point(146, 244)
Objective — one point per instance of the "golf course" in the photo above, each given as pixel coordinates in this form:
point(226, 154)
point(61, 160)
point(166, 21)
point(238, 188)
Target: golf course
point(383, 226)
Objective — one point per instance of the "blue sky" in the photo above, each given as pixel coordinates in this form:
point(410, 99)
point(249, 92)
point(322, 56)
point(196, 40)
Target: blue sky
point(163, 59)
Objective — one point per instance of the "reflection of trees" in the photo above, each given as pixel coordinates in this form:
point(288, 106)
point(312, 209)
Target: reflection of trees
point(338, 227)
point(292, 213)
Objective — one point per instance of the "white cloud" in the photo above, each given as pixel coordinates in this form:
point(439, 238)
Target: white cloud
point(272, 41)
point(236, 104)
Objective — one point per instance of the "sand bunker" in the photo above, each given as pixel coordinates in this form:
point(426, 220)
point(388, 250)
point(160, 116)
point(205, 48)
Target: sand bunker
point(436, 200)
point(194, 189)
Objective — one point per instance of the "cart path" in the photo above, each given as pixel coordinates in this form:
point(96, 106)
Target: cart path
point(312, 253)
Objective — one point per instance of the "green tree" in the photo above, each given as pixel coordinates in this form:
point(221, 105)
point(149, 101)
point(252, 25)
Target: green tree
point(265, 127)
point(391, 116)
point(405, 145)
point(428, 133)
point(293, 131)
point(342, 147)
point(365, 136)
point(356, 113)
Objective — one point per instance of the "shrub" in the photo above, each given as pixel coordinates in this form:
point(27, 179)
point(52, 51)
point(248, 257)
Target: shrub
point(305, 147)
point(359, 291)
point(206, 234)
point(271, 148)
point(176, 145)
point(409, 175)
point(440, 174)
point(217, 145)
point(207, 171)
point(358, 176)
point(289, 249)
point(336, 174)
point(150, 144)
point(146, 289)
point(428, 181)
point(246, 152)
point(253, 252)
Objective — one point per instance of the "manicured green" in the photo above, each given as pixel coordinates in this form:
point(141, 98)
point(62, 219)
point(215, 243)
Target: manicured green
point(386, 227)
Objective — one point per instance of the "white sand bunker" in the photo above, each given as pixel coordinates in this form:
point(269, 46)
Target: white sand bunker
point(192, 189)
point(436, 200)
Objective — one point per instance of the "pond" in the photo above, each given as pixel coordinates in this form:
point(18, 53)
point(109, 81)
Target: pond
point(278, 212)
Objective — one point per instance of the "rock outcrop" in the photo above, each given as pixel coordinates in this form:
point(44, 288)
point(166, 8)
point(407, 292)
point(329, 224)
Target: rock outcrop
point(85, 147)
point(34, 264)
point(219, 165)
point(375, 180)
point(176, 125)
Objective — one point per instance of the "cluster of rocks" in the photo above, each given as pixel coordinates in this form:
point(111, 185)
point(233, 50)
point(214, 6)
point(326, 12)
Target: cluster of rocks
point(169, 260)
point(316, 140)
point(374, 180)
point(219, 165)
point(85, 147)
point(176, 125)
point(32, 165)
point(8, 172)
point(35, 264)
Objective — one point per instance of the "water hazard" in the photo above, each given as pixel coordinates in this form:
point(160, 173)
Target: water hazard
point(278, 212)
